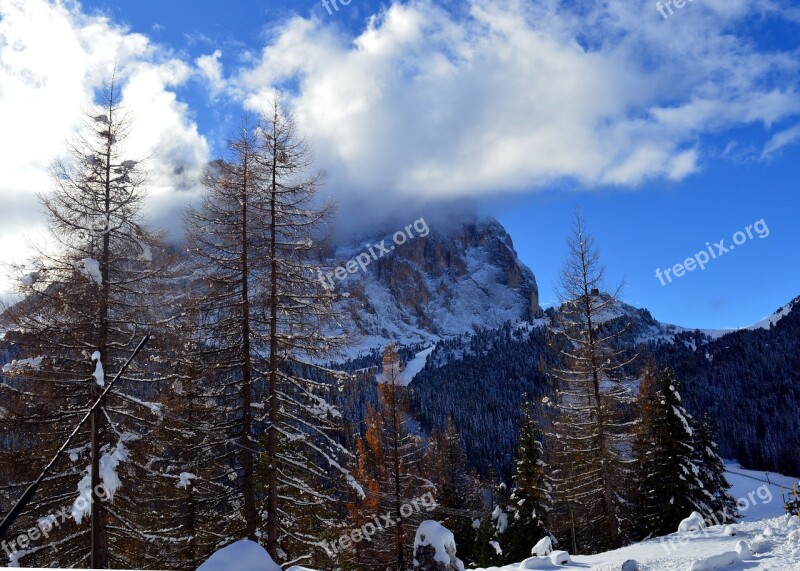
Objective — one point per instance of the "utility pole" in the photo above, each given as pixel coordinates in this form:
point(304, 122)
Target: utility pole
point(97, 555)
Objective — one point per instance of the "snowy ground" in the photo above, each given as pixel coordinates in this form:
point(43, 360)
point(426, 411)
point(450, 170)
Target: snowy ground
point(763, 526)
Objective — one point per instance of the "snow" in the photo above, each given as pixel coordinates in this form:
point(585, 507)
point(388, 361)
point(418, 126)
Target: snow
point(768, 322)
point(109, 462)
point(17, 366)
point(186, 479)
point(757, 498)
point(416, 365)
point(244, 555)
point(544, 547)
point(681, 551)
point(694, 522)
point(433, 533)
point(91, 269)
point(99, 375)
point(716, 561)
point(29, 279)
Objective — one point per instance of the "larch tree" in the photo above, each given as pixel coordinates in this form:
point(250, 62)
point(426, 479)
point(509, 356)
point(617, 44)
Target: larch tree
point(303, 458)
point(89, 297)
point(590, 439)
point(389, 456)
point(225, 238)
point(266, 323)
point(457, 487)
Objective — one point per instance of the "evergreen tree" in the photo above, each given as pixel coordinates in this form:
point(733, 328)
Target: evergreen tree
point(716, 504)
point(531, 494)
point(669, 479)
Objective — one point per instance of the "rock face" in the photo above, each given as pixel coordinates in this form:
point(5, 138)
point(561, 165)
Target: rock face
point(438, 285)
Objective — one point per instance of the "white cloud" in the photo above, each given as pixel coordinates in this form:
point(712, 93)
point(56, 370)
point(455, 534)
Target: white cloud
point(781, 139)
point(211, 69)
point(52, 58)
point(519, 95)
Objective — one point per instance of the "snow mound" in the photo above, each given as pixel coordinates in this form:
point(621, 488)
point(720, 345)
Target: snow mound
point(716, 562)
point(761, 544)
point(544, 547)
point(744, 550)
point(694, 522)
point(243, 555)
point(728, 530)
point(432, 533)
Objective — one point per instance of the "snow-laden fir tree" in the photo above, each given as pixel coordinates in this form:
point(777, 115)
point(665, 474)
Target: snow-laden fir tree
point(718, 506)
point(591, 435)
point(531, 495)
point(669, 479)
point(89, 298)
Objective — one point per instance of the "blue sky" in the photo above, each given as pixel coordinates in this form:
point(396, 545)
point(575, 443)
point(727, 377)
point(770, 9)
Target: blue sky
point(668, 133)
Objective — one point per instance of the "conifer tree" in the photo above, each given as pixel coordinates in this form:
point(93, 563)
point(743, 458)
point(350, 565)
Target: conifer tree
point(716, 504)
point(590, 439)
point(458, 489)
point(669, 479)
point(266, 321)
point(531, 494)
point(90, 297)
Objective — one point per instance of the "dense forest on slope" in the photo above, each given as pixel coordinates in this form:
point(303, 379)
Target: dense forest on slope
point(747, 382)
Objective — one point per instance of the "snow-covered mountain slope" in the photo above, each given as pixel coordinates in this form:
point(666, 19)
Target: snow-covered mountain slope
point(435, 286)
point(768, 322)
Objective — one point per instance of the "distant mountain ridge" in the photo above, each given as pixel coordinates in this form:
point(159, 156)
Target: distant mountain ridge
point(465, 310)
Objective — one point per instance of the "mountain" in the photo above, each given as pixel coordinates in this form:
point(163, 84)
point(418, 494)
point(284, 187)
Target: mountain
point(465, 311)
point(438, 284)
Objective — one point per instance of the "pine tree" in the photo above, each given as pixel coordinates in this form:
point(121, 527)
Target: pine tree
point(669, 479)
point(531, 495)
point(591, 434)
point(89, 298)
point(716, 504)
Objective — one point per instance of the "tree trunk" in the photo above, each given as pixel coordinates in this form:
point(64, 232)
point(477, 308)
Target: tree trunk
point(272, 433)
point(249, 487)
